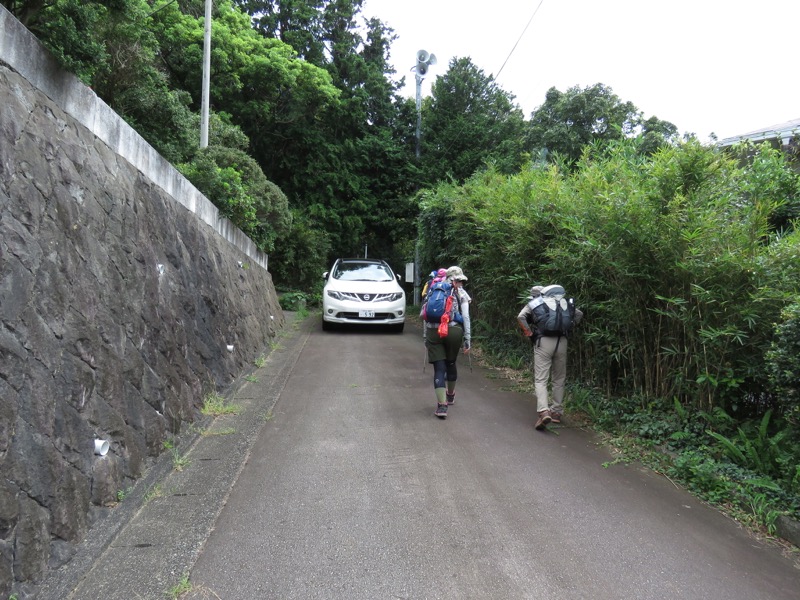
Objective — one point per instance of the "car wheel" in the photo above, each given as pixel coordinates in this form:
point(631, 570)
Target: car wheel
point(326, 326)
point(398, 328)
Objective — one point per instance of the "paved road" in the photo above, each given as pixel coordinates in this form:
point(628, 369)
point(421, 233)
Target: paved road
point(354, 490)
point(335, 481)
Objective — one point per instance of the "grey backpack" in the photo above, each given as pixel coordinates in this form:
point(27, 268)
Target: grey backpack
point(553, 312)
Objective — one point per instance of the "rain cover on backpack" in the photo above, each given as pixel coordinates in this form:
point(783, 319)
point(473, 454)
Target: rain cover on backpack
point(553, 314)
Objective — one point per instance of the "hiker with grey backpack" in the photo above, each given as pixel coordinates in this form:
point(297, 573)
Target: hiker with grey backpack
point(447, 329)
point(548, 319)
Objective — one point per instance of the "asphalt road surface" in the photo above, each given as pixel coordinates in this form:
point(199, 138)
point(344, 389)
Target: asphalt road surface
point(354, 490)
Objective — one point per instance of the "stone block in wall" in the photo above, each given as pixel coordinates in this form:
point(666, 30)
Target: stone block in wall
point(72, 436)
point(70, 490)
point(8, 415)
point(107, 480)
point(30, 462)
point(155, 431)
point(61, 552)
point(9, 509)
point(13, 355)
point(38, 393)
point(6, 572)
point(31, 541)
point(133, 450)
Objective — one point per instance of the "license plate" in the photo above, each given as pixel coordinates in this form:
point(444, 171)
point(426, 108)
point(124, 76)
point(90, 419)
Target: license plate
point(366, 314)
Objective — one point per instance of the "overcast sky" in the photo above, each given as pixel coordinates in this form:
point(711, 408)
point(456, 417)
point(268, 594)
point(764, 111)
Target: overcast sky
point(708, 66)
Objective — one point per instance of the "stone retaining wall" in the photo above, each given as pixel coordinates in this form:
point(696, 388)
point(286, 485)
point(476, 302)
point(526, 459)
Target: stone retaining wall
point(120, 308)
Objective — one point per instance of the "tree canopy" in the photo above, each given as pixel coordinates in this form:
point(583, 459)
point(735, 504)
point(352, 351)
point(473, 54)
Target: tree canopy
point(569, 121)
point(469, 122)
point(303, 90)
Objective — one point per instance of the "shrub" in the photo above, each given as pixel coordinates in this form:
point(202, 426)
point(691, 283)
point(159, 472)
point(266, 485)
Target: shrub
point(239, 189)
point(701, 476)
point(293, 301)
point(783, 362)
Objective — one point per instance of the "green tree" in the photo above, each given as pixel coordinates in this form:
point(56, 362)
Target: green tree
point(108, 44)
point(302, 256)
point(371, 130)
point(569, 121)
point(467, 123)
point(354, 163)
point(297, 23)
point(134, 83)
point(26, 11)
point(259, 81)
point(679, 232)
point(771, 179)
point(236, 185)
point(274, 97)
point(336, 138)
point(67, 28)
point(656, 134)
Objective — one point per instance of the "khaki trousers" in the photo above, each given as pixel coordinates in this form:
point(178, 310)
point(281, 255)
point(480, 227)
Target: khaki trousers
point(550, 365)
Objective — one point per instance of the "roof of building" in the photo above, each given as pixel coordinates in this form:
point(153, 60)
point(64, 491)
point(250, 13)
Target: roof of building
point(783, 131)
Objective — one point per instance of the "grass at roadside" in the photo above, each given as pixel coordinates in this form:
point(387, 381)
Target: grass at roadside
point(215, 405)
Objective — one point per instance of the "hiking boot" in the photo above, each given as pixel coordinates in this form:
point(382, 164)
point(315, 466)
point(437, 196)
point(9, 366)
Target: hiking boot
point(543, 420)
point(555, 417)
point(451, 398)
point(441, 411)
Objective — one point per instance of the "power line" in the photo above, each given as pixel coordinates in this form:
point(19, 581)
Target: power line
point(161, 8)
point(519, 39)
point(494, 78)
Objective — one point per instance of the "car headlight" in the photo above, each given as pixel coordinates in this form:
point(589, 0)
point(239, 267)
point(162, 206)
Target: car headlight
point(341, 295)
point(389, 297)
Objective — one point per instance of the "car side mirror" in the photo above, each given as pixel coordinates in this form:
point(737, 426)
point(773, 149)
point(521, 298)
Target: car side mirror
point(399, 277)
point(325, 275)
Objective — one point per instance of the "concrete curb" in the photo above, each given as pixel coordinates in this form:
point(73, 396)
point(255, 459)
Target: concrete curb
point(143, 547)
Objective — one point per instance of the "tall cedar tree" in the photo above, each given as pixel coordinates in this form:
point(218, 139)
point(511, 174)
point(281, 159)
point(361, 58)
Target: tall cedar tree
point(351, 170)
point(467, 123)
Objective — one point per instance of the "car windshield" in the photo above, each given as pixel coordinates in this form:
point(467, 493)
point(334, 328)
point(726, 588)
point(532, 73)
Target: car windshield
point(348, 271)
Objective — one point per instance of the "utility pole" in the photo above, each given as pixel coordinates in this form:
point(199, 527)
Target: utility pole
point(425, 60)
point(206, 78)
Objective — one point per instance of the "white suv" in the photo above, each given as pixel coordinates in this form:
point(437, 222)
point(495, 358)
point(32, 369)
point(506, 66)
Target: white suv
point(362, 291)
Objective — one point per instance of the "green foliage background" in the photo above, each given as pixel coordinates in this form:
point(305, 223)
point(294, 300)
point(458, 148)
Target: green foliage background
point(686, 264)
point(672, 258)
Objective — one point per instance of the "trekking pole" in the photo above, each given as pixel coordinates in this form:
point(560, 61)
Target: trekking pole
point(424, 357)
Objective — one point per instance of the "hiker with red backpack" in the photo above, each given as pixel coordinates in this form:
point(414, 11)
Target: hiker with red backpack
point(548, 318)
point(447, 328)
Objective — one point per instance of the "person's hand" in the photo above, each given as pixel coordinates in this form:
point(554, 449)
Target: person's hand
point(466, 349)
point(528, 333)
